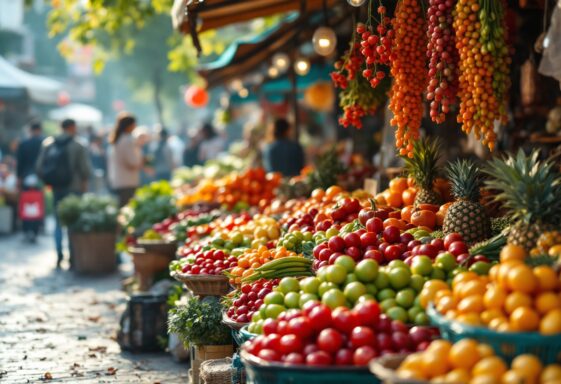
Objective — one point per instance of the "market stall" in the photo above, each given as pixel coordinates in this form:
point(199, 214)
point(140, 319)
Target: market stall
point(447, 273)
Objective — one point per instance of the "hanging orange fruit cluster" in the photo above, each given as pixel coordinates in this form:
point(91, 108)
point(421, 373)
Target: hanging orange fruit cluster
point(483, 81)
point(409, 73)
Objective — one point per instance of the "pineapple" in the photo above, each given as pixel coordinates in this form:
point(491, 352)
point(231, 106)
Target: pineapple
point(547, 240)
point(423, 168)
point(530, 192)
point(466, 215)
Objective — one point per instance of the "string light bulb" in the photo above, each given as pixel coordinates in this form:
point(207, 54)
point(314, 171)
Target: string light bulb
point(273, 72)
point(356, 3)
point(302, 67)
point(324, 40)
point(281, 61)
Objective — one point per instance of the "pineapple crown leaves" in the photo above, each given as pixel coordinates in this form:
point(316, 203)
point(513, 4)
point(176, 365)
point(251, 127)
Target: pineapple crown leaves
point(528, 188)
point(423, 166)
point(465, 179)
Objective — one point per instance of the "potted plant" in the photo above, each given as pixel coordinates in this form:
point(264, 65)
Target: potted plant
point(92, 225)
point(198, 324)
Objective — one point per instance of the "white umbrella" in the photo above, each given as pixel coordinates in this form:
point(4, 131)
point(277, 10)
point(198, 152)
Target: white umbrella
point(83, 114)
point(41, 89)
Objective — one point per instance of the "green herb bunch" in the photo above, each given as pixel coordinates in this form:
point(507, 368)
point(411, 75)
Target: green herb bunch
point(199, 322)
point(88, 213)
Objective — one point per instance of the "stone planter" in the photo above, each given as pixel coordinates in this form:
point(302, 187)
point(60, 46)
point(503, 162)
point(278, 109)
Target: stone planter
point(93, 253)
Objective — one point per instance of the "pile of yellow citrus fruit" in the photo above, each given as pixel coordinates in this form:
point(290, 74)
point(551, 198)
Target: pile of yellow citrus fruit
point(513, 298)
point(470, 362)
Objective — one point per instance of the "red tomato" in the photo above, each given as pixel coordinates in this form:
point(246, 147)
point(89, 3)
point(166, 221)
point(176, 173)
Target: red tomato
point(290, 343)
point(294, 359)
point(450, 238)
point(344, 357)
point(318, 358)
point(301, 327)
point(367, 312)
point(272, 342)
point(320, 317)
point(268, 355)
point(457, 248)
point(329, 340)
point(363, 355)
point(361, 336)
point(344, 319)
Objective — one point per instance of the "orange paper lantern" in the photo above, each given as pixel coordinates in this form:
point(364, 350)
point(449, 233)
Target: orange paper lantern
point(196, 96)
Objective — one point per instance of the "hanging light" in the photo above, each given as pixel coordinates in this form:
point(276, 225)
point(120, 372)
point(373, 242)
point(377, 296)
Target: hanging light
point(356, 3)
point(273, 72)
point(236, 84)
point(243, 93)
point(324, 40)
point(281, 61)
point(302, 67)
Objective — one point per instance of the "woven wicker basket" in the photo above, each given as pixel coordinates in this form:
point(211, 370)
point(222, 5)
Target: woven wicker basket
point(204, 285)
point(384, 368)
point(231, 323)
point(159, 246)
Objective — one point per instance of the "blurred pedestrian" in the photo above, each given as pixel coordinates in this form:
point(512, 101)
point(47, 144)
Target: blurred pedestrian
point(99, 163)
point(212, 143)
point(64, 164)
point(283, 154)
point(124, 159)
point(163, 162)
point(191, 152)
point(27, 154)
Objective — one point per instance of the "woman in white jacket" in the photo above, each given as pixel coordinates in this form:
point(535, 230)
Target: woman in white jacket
point(124, 159)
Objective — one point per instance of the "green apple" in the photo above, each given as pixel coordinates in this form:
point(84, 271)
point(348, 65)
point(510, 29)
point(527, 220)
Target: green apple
point(274, 298)
point(366, 271)
point(305, 297)
point(310, 284)
point(397, 313)
point(354, 290)
point(399, 277)
point(405, 298)
point(289, 284)
point(334, 298)
point(347, 262)
point(336, 274)
point(421, 265)
point(292, 300)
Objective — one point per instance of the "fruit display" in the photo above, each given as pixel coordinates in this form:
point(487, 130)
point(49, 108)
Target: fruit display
point(251, 259)
point(320, 336)
point(515, 297)
point(466, 215)
point(249, 187)
point(469, 361)
point(281, 267)
point(210, 262)
point(422, 166)
point(243, 303)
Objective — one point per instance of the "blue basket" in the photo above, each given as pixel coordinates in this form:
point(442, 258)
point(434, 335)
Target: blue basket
point(506, 344)
point(259, 371)
point(243, 335)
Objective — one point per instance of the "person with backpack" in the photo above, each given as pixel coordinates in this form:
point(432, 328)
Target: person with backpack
point(125, 159)
point(64, 165)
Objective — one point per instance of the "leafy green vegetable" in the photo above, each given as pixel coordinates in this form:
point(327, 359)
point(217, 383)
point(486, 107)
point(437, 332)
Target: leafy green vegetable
point(199, 322)
point(88, 213)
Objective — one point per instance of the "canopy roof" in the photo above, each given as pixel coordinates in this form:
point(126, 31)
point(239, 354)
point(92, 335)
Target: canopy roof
point(83, 114)
point(195, 16)
point(248, 55)
point(41, 89)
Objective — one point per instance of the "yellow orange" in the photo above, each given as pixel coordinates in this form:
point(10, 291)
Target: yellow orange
point(504, 270)
point(550, 324)
point(497, 323)
point(493, 272)
point(547, 278)
point(524, 319)
point(485, 350)
point(398, 184)
point(435, 364)
point(515, 300)
point(485, 379)
point(512, 377)
point(512, 252)
point(529, 366)
point(472, 288)
point(551, 373)
point(463, 277)
point(522, 279)
point(415, 363)
point(494, 297)
point(471, 304)
point(440, 346)
point(408, 374)
point(464, 354)
point(492, 365)
point(459, 376)
point(445, 304)
point(490, 314)
point(555, 251)
point(471, 318)
point(546, 302)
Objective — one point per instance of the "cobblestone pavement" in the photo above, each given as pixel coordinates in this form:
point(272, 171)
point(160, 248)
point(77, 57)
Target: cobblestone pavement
point(58, 327)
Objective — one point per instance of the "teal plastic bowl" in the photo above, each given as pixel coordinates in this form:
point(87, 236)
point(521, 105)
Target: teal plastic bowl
point(508, 345)
point(259, 371)
point(242, 335)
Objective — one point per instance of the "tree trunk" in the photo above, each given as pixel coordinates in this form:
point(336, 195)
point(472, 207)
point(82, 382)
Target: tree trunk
point(157, 79)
